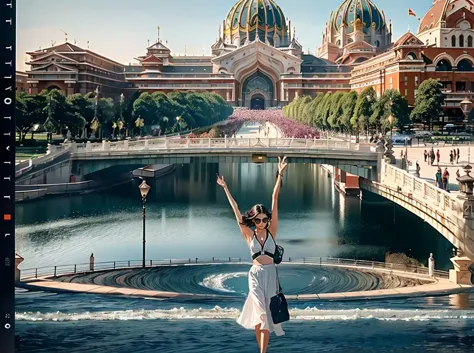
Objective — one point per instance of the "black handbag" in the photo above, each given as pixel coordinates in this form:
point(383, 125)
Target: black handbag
point(278, 256)
point(279, 305)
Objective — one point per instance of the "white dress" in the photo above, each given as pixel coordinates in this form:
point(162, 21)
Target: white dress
point(262, 287)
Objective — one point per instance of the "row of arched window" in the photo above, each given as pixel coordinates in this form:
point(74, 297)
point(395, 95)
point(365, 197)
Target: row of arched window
point(460, 42)
point(464, 65)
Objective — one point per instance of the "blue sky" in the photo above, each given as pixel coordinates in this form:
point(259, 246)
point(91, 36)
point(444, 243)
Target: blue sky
point(119, 29)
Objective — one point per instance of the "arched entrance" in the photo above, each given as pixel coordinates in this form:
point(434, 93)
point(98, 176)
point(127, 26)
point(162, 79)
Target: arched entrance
point(257, 102)
point(257, 90)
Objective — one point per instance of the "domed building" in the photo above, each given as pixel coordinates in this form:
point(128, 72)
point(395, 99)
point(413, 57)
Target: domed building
point(249, 17)
point(357, 30)
point(448, 24)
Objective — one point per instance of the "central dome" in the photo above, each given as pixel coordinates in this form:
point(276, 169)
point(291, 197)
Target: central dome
point(365, 10)
point(246, 15)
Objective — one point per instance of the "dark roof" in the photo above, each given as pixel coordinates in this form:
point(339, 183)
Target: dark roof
point(191, 60)
point(312, 64)
point(187, 69)
point(134, 68)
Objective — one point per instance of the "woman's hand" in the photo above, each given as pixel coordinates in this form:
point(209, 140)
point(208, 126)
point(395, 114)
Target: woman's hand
point(221, 181)
point(282, 164)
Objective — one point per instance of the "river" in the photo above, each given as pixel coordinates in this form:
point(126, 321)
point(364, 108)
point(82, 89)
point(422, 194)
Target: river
point(188, 216)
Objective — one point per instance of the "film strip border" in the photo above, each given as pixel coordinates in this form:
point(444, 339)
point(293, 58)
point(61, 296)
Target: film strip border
point(7, 177)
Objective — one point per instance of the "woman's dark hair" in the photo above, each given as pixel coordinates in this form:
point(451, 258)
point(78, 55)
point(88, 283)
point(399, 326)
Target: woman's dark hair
point(247, 219)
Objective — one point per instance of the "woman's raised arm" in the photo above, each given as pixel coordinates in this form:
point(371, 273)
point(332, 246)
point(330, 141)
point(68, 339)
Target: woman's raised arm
point(246, 231)
point(276, 192)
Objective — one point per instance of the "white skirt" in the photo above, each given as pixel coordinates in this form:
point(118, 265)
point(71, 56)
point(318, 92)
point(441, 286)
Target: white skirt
point(256, 310)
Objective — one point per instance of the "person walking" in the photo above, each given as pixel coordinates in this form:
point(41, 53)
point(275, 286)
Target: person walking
point(438, 156)
point(425, 154)
point(432, 155)
point(439, 178)
point(446, 179)
point(263, 276)
point(451, 157)
point(457, 161)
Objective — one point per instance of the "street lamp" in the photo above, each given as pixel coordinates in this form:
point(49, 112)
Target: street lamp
point(144, 188)
point(390, 120)
point(466, 107)
point(178, 118)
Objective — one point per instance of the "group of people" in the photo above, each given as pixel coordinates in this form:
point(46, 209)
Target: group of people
point(442, 179)
point(431, 156)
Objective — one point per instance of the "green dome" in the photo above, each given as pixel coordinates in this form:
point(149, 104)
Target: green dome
point(365, 10)
point(246, 15)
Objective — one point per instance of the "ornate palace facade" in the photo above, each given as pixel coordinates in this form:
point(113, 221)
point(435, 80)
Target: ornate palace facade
point(257, 61)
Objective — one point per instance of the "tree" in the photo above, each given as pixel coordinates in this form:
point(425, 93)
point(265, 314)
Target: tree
point(30, 110)
point(364, 110)
point(428, 102)
point(61, 114)
point(82, 104)
point(166, 109)
point(335, 110)
point(348, 105)
point(391, 103)
point(145, 107)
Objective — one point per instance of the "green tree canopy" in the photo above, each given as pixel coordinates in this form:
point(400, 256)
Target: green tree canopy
point(428, 102)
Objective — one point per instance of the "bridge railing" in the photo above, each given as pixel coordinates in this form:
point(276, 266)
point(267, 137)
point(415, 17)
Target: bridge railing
point(64, 270)
point(421, 189)
point(209, 143)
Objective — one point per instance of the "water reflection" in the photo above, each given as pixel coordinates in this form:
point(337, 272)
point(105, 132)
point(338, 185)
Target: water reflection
point(188, 215)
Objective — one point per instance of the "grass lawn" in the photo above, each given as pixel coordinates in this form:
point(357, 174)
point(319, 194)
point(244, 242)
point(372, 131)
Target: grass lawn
point(40, 136)
point(22, 153)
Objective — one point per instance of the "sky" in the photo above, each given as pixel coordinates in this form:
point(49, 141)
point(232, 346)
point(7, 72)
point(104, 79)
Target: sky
point(120, 29)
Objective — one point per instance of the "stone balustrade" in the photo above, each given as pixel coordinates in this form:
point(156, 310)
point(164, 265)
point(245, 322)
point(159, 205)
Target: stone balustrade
point(206, 143)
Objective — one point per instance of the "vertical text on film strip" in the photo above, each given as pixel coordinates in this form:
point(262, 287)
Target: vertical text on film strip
point(7, 170)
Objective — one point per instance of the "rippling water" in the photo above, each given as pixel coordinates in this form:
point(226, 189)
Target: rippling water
point(232, 279)
point(92, 323)
point(189, 217)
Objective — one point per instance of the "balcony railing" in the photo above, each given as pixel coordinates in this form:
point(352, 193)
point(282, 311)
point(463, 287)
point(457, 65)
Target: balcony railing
point(64, 270)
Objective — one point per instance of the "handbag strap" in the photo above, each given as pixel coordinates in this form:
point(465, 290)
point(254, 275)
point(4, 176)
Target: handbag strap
point(278, 281)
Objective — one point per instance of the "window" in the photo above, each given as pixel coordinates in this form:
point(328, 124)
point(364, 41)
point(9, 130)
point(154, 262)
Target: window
point(469, 41)
point(406, 92)
point(461, 41)
point(453, 41)
point(416, 81)
point(465, 65)
point(406, 80)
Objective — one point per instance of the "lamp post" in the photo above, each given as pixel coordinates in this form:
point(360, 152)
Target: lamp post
point(144, 188)
point(466, 107)
point(178, 118)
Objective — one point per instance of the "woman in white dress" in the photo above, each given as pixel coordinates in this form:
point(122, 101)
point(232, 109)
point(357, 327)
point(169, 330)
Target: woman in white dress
point(263, 283)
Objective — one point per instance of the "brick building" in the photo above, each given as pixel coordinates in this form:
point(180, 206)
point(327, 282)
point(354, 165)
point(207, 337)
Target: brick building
point(73, 69)
point(257, 62)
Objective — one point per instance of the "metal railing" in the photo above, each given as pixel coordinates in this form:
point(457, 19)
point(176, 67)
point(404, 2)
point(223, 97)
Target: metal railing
point(63, 270)
point(207, 143)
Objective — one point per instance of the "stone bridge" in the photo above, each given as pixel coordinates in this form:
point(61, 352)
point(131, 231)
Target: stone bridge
point(451, 214)
point(93, 157)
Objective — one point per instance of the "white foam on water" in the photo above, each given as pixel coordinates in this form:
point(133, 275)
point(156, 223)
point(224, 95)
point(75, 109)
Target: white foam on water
point(216, 282)
point(310, 313)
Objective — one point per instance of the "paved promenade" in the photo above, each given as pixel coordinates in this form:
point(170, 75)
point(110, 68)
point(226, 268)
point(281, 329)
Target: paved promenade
point(428, 172)
point(257, 130)
point(437, 286)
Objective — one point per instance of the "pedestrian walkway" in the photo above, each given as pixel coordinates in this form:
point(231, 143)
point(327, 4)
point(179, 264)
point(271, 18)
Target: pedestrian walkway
point(427, 171)
point(257, 130)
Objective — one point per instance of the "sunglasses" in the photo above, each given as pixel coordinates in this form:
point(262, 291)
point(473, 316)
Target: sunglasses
point(258, 220)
